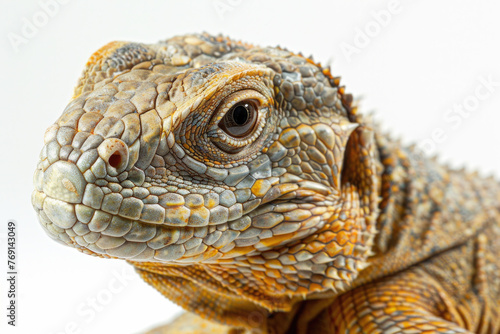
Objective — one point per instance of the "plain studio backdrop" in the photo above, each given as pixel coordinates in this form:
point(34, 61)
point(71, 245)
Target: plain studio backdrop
point(429, 70)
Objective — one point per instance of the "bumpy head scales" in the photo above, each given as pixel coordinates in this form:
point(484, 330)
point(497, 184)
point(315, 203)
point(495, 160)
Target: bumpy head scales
point(201, 159)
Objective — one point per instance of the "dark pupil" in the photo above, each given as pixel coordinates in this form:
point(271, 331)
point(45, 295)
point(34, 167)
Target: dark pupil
point(240, 115)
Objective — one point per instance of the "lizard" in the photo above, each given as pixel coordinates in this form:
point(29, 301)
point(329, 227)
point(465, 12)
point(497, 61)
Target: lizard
point(243, 184)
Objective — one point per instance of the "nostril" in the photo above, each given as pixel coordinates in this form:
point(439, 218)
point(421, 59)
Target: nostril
point(115, 160)
point(115, 153)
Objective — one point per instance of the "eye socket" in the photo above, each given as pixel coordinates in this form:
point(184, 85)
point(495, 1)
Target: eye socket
point(240, 120)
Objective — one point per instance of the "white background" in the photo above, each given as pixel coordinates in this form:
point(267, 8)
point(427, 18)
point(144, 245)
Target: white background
point(427, 57)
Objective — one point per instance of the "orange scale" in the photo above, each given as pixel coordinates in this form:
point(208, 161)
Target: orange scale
point(315, 287)
point(274, 273)
point(303, 290)
point(342, 237)
point(333, 249)
point(354, 236)
point(337, 226)
point(269, 280)
point(326, 237)
point(348, 249)
point(315, 247)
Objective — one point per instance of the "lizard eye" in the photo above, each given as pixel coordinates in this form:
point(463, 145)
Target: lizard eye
point(240, 120)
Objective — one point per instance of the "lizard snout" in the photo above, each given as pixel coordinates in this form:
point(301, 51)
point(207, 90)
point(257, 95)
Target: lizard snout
point(64, 181)
point(63, 186)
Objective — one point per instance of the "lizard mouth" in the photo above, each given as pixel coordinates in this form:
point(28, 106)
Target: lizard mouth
point(182, 229)
point(100, 218)
point(79, 214)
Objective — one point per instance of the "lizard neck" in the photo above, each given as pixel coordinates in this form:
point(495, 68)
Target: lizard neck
point(425, 209)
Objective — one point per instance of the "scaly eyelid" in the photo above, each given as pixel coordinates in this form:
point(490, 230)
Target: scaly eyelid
point(234, 98)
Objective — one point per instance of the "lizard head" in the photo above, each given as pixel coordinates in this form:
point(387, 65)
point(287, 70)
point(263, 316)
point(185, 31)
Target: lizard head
point(245, 166)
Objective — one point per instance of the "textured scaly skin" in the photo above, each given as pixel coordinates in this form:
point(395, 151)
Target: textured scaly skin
point(315, 222)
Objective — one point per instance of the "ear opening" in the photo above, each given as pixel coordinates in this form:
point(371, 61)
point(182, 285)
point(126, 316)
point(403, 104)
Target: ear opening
point(360, 180)
point(348, 163)
point(359, 168)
